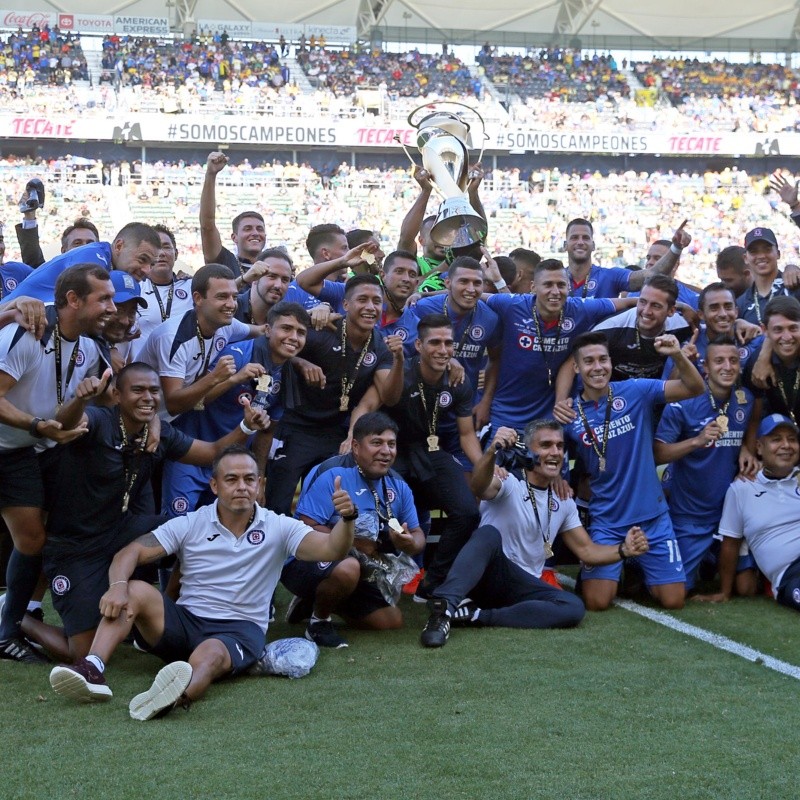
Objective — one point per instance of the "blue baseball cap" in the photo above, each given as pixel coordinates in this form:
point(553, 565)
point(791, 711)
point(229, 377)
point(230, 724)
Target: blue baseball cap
point(126, 287)
point(760, 235)
point(768, 424)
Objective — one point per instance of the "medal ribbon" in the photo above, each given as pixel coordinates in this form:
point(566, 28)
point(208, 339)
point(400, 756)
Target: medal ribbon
point(347, 382)
point(70, 367)
point(601, 454)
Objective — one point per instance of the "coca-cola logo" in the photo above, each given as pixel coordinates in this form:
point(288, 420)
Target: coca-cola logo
point(26, 20)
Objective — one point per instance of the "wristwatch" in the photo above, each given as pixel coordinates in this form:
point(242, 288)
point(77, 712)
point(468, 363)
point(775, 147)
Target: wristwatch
point(350, 517)
point(32, 427)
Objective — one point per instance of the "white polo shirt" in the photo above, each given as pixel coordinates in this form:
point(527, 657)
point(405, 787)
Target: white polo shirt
point(173, 349)
point(32, 364)
point(766, 513)
point(511, 512)
point(225, 577)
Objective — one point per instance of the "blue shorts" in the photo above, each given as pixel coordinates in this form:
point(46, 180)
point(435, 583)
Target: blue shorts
point(698, 546)
point(662, 564)
point(303, 577)
point(185, 631)
point(182, 489)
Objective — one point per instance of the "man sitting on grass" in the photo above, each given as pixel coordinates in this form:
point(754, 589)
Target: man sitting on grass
point(231, 554)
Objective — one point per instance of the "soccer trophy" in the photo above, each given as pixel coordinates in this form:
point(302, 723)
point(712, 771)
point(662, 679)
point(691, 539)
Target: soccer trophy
point(444, 140)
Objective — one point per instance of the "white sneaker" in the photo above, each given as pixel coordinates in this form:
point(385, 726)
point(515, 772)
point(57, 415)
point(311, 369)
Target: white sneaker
point(163, 695)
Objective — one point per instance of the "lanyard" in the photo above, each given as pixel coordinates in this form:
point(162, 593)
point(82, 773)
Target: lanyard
point(376, 497)
point(347, 381)
point(431, 419)
point(203, 358)
point(131, 448)
point(70, 367)
point(464, 333)
point(601, 454)
point(545, 532)
point(758, 305)
point(573, 286)
point(164, 313)
point(782, 390)
point(540, 339)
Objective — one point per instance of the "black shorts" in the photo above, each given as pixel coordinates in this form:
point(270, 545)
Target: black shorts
point(21, 478)
point(184, 631)
point(303, 577)
point(78, 570)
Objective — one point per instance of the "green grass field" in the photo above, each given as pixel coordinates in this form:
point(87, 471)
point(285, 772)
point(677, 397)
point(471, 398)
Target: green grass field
point(618, 708)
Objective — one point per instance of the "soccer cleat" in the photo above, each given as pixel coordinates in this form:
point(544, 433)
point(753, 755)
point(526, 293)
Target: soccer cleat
point(437, 628)
point(22, 651)
point(466, 613)
point(300, 608)
point(34, 196)
point(549, 576)
point(165, 693)
point(422, 593)
point(81, 681)
point(323, 634)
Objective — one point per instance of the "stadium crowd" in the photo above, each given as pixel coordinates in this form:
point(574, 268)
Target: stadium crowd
point(165, 419)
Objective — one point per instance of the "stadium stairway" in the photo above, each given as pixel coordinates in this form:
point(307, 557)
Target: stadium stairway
point(93, 52)
point(633, 79)
point(118, 206)
point(297, 75)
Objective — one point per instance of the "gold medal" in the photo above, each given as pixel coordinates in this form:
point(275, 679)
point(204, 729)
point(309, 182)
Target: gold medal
point(200, 406)
point(367, 257)
point(602, 464)
point(263, 384)
point(722, 423)
point(394, 525)
point(125, 500)
point(344, 402)
point(433, 443)
point(741, 397)
point(548, 550)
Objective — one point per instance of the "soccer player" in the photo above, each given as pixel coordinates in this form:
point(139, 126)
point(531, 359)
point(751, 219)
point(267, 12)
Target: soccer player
point(249, 233)
point(343, 365)
point(181, 349)
point(537, 332)
point(435, 477)
point(266, 284)
point(133, 250)
point(496, 578)
point(761, 256)
point(231, 554)
point(703, 438)
point(36, 378)
point(386, 524)
point(610, 425)
point(263, 376)
point(166, 294)
point(733, 271)
point(99, 497)
point(766, 514)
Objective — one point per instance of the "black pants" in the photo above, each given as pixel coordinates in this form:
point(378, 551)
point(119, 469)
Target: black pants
point(509, 596)
point(449, 491)
point(302, 449)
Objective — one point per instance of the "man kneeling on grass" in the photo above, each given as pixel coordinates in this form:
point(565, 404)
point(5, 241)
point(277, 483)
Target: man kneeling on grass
point(231, 554)
point(496, 578)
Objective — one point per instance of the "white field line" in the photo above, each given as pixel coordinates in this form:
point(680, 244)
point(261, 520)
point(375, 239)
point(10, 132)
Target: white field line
point(714, 639)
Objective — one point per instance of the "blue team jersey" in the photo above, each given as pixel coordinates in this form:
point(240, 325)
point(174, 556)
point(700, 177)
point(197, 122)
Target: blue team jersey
point(405, 326)
point(316, 504)
point(294, 294)
point(628, 492)
point(601, 282)
point(41, 283)
point(746, 353)
point(224, 413)
point(523, 392)
point(12, 274)
point(700, 479)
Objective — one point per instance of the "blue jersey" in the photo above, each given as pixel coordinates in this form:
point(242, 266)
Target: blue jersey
point(394, 499)
point(41, 283)
point(12, 274)
point(405, 326)
point(600, 282)
point(747, 352)
point(523, 390)
point(295, 294)
point(700, 479)
point(628, 491)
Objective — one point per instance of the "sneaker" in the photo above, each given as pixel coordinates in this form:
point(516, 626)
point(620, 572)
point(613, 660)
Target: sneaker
point(466, 613)
point(323, 634)
point(81, 681)
point(411, 586)
point(437, 628)
point(300, 608)
point(165, 693)
point(21, 650)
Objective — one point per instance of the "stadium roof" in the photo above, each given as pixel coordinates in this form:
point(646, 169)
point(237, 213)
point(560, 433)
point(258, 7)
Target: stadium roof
point(770, 25)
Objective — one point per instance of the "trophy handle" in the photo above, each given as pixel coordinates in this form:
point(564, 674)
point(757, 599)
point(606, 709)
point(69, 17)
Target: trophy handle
point(414, 164)
point(484, 134)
